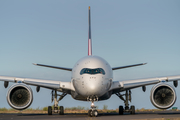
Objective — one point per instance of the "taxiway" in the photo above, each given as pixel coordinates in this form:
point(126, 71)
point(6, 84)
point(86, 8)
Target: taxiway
point(161, 115)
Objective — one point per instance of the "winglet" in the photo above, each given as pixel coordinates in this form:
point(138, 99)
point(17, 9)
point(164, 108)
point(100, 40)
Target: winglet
point(89, 36)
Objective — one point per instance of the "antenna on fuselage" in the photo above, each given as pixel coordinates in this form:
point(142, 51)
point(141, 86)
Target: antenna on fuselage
point(89, 36)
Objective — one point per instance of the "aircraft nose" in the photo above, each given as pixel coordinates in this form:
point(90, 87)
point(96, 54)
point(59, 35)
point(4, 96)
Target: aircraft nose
point(89, 86)
point(95, 86)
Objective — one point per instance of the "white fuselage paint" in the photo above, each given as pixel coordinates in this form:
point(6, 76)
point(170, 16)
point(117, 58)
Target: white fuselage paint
point(92, 84)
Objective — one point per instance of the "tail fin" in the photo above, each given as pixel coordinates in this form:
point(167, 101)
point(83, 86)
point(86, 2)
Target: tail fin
point(89, 36)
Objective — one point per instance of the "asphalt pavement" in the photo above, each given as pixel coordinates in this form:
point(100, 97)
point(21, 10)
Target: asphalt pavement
point(158, 115)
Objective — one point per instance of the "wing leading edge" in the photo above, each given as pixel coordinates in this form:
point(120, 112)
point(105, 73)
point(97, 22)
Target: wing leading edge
point(130, 84)
point(58, 85)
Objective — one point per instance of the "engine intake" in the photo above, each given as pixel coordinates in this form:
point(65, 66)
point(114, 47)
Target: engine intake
point(19, 96)
point(163, 96)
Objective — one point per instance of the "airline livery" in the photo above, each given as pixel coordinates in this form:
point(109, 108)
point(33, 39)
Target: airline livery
point(91, 80)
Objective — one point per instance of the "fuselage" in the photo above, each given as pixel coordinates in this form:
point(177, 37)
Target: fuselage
point(92, 76)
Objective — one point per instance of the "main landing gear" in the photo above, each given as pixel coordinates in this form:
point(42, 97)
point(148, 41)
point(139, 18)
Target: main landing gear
point(55, 108)
point(127, 98)
point(92, 112)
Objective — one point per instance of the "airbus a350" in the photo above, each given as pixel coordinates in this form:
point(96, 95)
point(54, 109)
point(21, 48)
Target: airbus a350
point(91, 80)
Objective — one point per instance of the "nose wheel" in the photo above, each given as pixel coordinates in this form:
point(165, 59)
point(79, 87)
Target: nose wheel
point(92, 112)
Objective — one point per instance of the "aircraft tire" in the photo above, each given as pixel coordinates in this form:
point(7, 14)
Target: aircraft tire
point(49, 110)
point(132, 109)
point(121, 110)
point(90, 113)
point(61, 112)
point(95, 113)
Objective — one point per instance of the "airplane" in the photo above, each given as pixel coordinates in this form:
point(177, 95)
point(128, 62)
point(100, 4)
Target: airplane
point(91, 80)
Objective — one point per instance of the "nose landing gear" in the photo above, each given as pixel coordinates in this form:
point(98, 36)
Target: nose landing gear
point(92, 112)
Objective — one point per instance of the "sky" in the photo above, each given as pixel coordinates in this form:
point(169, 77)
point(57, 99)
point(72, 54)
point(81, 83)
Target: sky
point(56, 33)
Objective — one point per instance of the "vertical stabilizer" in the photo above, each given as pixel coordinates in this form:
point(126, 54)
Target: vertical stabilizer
point(89, 36)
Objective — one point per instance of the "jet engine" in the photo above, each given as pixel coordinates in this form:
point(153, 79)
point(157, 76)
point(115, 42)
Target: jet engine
point(19, 96)
point(163, 96)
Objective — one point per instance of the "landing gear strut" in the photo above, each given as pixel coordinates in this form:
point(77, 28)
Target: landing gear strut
point(92, 112)
point(126, 100)
point(54, 98)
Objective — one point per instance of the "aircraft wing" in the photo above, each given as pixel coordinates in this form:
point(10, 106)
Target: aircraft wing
point(127, 66)
point(118, 86)
point(56, 67)
point(58, 85)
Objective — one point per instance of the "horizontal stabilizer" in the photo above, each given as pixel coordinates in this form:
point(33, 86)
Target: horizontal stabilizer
point(122, 67)
point(62, 68)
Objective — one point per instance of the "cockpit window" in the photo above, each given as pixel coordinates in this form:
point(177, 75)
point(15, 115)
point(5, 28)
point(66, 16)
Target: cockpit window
point(92, 71)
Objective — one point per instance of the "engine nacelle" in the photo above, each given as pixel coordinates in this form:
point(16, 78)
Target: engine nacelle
point(19, 96)
point(163, 96)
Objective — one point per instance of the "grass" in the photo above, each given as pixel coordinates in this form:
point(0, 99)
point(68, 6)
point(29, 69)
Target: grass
point(78, 109)
point(105, 107)
point(152, 110)
point(75, 108)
